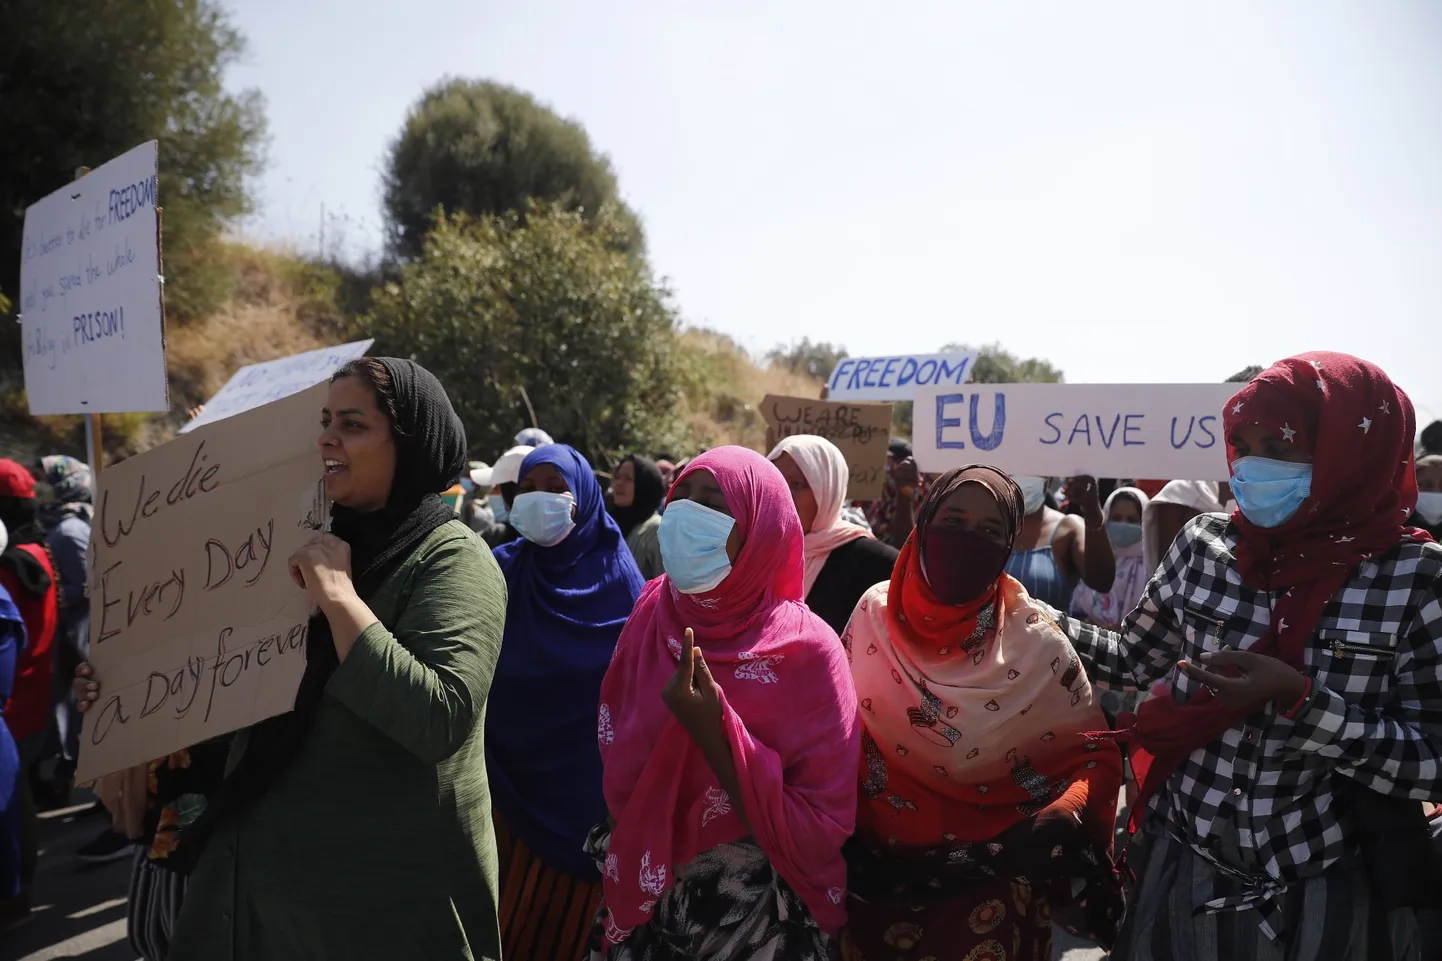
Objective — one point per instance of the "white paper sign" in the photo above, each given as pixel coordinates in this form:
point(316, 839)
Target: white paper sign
point(257, 384)
point(1152, 431)
point(90, 293)
point(896, 378)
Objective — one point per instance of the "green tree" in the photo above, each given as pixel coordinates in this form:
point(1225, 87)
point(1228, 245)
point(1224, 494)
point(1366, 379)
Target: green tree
point(477, 147)
point(816, 360)
point(547, 301)
point(997, 365)
point(82, 81)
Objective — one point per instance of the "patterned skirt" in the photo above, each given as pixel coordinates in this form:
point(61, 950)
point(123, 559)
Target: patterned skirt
point(155, 898)
point(1005, 920)
point(1326, 918)
point(545, 914)
point(728, 904)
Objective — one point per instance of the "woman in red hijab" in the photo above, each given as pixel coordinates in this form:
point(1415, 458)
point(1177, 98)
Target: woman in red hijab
point(1296, 720)
point(982, 798)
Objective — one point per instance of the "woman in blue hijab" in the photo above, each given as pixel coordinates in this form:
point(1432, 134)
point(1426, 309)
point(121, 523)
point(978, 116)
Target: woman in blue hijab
point(572, 583)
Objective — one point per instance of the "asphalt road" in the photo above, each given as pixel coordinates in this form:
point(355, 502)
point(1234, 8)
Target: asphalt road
point(80, 910)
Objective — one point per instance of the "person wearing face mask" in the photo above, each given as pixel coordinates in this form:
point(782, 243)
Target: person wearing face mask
point(637, 490)
point(982, 797)
point(1429, 495)
point(500, 482)
point(729, 776)
point(1055, 551)
point(843, 559)
point(1294, 726)
point(572, 583)
point(1124, 509)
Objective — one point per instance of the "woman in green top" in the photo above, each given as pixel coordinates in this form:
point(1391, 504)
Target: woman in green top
point(359, 825)
point(637, 493)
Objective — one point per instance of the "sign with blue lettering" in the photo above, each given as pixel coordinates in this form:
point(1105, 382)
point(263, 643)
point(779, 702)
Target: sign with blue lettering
point(94, 333)
point(1151, 431)
point(897, 378)
point(257, 384)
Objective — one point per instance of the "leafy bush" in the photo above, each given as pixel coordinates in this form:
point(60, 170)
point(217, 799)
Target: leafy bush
point(544, 300)
point(476, 147)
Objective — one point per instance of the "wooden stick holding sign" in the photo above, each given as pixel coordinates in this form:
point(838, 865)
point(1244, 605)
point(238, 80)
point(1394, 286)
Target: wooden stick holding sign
point(861, 431)
point(196, 628)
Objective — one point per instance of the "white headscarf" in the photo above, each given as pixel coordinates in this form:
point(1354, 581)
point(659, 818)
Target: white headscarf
point(1108, 608)
point(827, 474)
point(1200, 496)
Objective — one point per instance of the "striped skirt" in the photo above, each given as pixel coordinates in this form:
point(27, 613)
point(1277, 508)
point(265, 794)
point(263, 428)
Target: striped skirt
point(155, 898)
point(1325, 917)
point(546, 914)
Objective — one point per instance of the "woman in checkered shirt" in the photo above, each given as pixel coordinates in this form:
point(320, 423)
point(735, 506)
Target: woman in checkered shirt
point(1294, 653)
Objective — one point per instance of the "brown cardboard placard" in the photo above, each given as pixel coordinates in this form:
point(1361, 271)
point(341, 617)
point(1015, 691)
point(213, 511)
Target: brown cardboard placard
point(861, 431)
point(196, 628)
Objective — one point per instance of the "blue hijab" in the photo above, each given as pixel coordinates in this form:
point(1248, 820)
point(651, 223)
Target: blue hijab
point(565, 610)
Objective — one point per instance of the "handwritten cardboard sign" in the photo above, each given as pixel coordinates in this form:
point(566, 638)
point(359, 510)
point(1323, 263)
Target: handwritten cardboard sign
point(897, 378)
point(94, 333)
point(257, 384)
point(1163, 431)
point(861, 431)
point(196, 628)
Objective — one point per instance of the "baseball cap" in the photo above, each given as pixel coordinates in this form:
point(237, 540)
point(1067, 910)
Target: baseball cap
point(16, 481)
point(507, 469)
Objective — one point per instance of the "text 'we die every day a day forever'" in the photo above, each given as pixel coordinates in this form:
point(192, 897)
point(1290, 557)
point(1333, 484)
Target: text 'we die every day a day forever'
point(196, 626)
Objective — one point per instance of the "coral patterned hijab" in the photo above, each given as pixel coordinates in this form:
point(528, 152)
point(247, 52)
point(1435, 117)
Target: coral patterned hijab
point(788, 711)
point(975, 720)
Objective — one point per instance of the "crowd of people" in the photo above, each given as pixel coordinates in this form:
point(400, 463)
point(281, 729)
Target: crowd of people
point(708, 709)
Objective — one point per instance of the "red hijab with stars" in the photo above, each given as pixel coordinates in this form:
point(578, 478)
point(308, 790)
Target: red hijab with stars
point(1357, 426)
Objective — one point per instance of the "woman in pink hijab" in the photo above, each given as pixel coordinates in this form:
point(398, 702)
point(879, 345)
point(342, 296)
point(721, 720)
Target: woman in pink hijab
point(729, 776)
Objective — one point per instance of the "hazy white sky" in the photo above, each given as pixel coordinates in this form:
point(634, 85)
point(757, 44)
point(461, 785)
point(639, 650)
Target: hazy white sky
point(1136, 191)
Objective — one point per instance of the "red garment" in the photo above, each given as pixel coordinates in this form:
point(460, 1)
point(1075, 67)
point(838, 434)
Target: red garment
point(1151, 488)
point(1354, 422)
point(28, 710)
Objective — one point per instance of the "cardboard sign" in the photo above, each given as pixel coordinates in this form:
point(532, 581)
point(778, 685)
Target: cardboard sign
point(897, 378)
point(861, 431)
point(1162, 431)
point(196, 628)
point(94, 333)
point(257, 384)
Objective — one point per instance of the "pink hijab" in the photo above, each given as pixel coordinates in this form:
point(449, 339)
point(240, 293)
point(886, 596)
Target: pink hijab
point(827, 474)
point(788, 710)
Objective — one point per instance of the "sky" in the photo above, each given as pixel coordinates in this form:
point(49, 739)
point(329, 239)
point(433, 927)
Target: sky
point(1137, 192)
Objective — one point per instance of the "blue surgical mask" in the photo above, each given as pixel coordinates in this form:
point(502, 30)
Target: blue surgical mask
point(1270, 492)
point(1123, 534)
point(693, 546)
point(1033, 492)
point(1429, 505)
point(499, 508)
point(543, 519)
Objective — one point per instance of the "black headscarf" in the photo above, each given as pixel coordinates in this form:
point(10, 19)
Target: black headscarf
point(431, 453)
point(650, 492)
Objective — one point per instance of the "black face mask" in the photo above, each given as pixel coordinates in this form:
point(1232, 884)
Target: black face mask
point(961, 565)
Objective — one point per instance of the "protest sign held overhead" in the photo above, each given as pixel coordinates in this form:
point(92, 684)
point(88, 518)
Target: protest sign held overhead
point(861, 431)
point(257, 384)
point(196, 627)
point(1059, 430)
point(90, 308)
point(897, 378)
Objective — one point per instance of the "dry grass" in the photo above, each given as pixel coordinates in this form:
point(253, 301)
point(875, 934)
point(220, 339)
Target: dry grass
point(727, 386)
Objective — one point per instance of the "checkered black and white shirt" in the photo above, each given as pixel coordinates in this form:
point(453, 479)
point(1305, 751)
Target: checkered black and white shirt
point(1375, 661)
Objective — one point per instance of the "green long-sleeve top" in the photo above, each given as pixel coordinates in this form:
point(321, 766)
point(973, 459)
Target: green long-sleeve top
point(376, 841)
